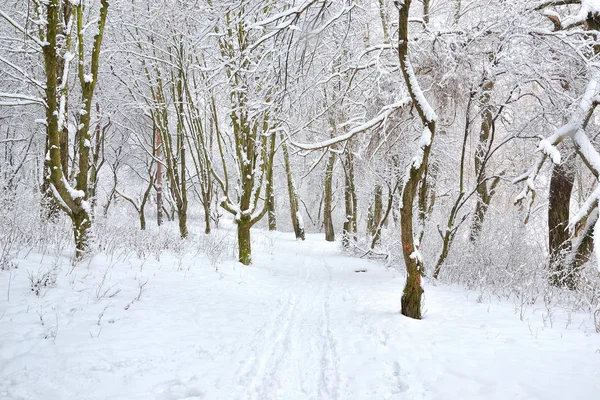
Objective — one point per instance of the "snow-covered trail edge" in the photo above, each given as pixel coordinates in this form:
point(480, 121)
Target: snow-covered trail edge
point(298, 324)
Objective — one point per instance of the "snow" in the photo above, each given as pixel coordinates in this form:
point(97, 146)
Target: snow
point(300, 220)
point(75, 193)
point(587, 7)
point(297, 324)
point(428, 112)
point(547, 148)
point(378, 120)
point(424, 141)
point(597, 243)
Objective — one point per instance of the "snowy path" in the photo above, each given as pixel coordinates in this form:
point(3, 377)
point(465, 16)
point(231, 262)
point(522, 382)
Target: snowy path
point(298, 324)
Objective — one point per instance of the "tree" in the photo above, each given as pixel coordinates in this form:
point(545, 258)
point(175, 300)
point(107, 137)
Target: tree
point(413, 290)
point(54, 38)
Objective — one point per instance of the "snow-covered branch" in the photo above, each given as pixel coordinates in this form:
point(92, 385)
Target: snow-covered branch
point(547, 147)
point(380, 119)
point(587, 7)
point(20, 99)
point(21, 29)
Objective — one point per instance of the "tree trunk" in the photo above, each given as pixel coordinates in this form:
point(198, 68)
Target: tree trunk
point(159, 177)
point(293, 195)
point(559, 241)
point(142, 219)
point(349, 228)
point(244, 245)
point(412, 294)
point(81, 233)
point(270, 195)
point(426, 11)
point(383, 221)
point(182, 218)
point(206, 218)
point(375, 211)
point(327, 208)
point(483, 193)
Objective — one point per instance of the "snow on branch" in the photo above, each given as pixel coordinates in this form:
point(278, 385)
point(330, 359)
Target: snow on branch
point(377, 121)
point(20, 99)
point(587, 7)
point(554, 3)
point(428, 114)
point(294, 11)
point(547, 147)
point(21, 29)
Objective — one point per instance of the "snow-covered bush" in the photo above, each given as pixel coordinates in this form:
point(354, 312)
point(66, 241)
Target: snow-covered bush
point(42, 280)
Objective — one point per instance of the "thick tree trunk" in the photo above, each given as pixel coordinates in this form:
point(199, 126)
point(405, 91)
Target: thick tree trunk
point(81, 233)
point(328, 201)
point(559, 241)
point(412, 296)
point(244, 245)
point(484, 195)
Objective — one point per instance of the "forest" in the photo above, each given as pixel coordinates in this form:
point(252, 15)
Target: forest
point(446, 143)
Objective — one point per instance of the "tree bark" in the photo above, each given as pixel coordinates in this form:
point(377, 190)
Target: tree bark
point(293, 195)
point(349, 227)
point(376, 211)
point(244, 244)
point(270, 192)
point(559, 241)
point(328, 201)
point(413, 291)
point(159, 176)
point(484, 195)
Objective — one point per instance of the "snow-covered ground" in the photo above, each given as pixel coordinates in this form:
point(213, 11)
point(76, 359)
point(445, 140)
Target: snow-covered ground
point(297, 324)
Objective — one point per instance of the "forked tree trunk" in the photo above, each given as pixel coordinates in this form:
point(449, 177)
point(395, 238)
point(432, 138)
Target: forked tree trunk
point(383, 221)
point(74, 201)
point(328, 201)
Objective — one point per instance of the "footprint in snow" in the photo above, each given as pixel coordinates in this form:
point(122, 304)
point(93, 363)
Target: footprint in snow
point(178, 390)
